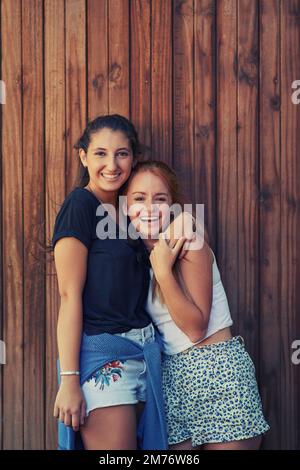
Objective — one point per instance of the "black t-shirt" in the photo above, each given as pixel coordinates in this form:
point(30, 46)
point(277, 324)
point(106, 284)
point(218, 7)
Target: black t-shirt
point(117, 280)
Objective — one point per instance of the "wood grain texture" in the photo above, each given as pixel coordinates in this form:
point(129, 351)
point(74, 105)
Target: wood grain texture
point(13, 231)
point(140, 69)
point(290, 222)
point(269, 122)
point(162, 50)
point(55, 150)
point(248, 174)
point(227, 209)
point(207, 83)
point(34, 215)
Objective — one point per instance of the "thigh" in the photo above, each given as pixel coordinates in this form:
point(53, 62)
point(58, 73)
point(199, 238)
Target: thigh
point(185, 445)
point(110, 428)
point(246, 444)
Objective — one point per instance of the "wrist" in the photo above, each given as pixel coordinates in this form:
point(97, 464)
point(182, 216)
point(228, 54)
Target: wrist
point(164, 275)
point(71, 379)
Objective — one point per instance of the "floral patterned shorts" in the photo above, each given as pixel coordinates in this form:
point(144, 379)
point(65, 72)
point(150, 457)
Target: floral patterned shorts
point(211, 394)
point(119, 382)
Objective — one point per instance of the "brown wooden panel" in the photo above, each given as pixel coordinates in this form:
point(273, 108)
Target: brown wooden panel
point(75, 31)
point(118, 17)
point(12, 184)
point(290, 221)
point(248, 175)
point(161, 81)
point(33, 211)
point(97, 57)
point(55, 141)
point(205, 112)
point(227, 151)
point(140, 69)
point(270, 339)
point(183, 93)
point(1, 247)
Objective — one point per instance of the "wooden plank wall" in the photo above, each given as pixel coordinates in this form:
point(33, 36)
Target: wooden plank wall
point(208, 85)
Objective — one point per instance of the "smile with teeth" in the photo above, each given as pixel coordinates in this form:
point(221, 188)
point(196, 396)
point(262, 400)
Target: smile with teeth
point(149, 219)
point(109, 177)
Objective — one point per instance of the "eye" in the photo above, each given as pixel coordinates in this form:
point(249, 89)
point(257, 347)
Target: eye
point(161, 199)
point(123, 154)
point(138, 198)
point(101, 154)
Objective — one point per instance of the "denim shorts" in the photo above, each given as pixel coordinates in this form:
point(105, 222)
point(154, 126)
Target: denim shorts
point(119, 382)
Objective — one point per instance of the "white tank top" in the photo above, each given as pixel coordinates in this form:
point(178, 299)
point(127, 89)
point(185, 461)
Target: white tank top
point(173, 338)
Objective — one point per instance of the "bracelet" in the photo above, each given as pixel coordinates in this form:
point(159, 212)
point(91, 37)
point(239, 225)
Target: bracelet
point(70, 372)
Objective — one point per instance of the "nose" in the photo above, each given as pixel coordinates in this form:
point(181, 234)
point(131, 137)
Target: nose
point(111, 164)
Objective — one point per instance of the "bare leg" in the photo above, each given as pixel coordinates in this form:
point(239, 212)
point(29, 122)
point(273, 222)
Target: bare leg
point(110, 428)
point(245, 444)
point(185, 445)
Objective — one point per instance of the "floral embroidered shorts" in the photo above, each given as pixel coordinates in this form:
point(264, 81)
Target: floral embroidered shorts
point(119, 382)
point(211, 394)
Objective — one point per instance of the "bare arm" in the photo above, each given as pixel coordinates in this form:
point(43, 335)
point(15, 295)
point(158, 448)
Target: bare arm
point(189, 312)
point(70, 261)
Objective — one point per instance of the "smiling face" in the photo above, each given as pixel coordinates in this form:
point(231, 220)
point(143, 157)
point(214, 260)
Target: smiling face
point(109, 162)
point(148, 203)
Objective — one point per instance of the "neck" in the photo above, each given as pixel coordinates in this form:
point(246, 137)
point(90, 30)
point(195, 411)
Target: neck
point(103, 196)
point(149, 243)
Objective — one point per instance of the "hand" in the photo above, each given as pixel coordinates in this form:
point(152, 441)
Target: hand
point(70, 406)
point(163, 256)
point(182, 225)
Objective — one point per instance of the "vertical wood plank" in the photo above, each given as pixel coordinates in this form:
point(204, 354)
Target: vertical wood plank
point(161, 81)
point(248, 175)
point(269, 122)
point(33, 207)
point(183, 93)
point(55, 142)
point(97, 57)
point(13, 386)
point(227, 151)
point(290, 222)
point(205, 112)
point(75, 30)
point(140, 69)
point(1, 247)
point(118, 17)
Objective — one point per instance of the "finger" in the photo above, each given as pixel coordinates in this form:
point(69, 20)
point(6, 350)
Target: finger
point(75, 421)
point(67, 419)
point(61, 416)
point(179, 245)
point(82, 413)
point(56, 411)
point(163, 237)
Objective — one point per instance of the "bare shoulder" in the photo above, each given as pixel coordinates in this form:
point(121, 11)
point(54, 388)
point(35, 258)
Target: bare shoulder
point(201, 255)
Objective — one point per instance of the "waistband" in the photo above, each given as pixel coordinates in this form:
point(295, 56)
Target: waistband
point(142, 333)
point(232, 342)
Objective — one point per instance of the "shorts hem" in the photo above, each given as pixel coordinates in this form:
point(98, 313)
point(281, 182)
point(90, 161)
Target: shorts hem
point(106, 405)
point(220, 440)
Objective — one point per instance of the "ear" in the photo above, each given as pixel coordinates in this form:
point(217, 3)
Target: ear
point(83, 156)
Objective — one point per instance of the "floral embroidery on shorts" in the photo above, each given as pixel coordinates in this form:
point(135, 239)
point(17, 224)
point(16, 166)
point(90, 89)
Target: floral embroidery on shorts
point(110, 371)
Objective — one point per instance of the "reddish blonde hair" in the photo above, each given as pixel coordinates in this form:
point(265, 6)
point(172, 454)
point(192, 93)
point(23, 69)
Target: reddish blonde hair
point(169, 177)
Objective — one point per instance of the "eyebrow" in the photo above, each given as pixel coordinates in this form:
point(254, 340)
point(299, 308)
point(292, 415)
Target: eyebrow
point(156, 194)
point(122, 148)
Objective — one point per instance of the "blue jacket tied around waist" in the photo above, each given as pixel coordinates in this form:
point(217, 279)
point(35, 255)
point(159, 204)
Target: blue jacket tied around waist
point(98, 350)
